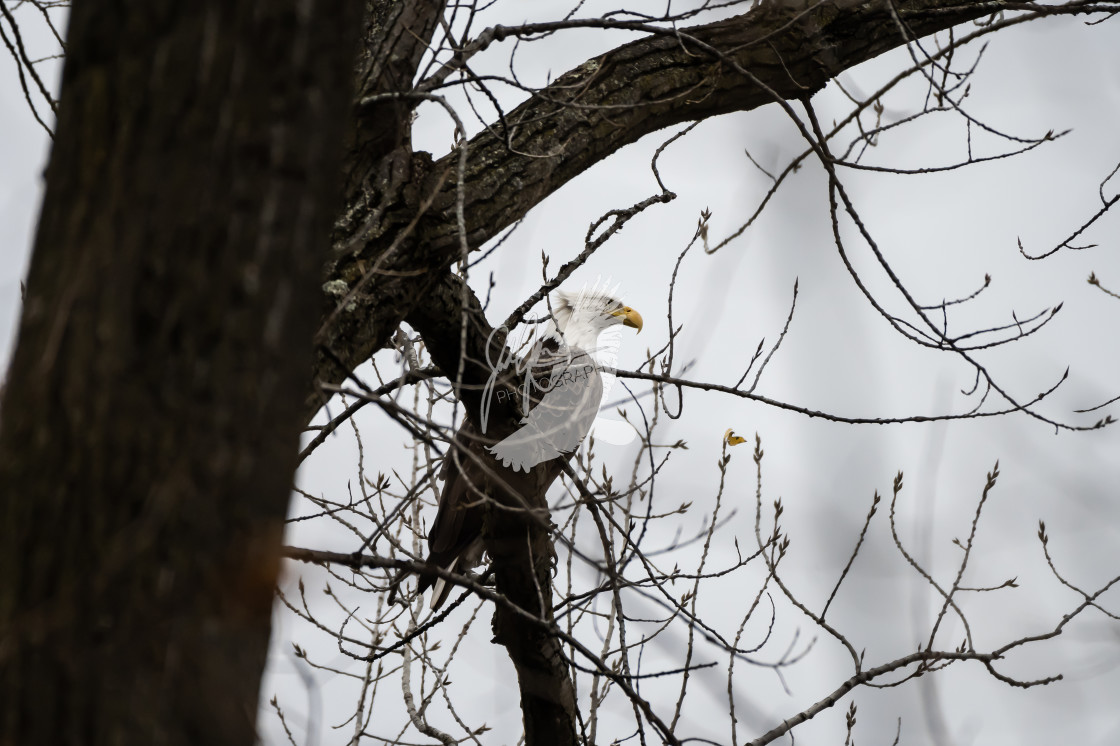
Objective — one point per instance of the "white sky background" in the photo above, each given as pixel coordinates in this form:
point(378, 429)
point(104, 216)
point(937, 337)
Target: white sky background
point(942, 233)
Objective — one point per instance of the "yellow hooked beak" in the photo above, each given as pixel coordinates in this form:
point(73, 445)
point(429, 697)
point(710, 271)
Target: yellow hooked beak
point(630, 317)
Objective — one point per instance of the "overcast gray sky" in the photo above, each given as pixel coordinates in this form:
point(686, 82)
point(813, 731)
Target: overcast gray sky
point(942, 233)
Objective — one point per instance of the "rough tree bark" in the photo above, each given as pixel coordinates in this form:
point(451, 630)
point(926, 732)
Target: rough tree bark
point(152, 410)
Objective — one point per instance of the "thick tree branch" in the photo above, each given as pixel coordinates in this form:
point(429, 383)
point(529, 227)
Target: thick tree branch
point(396, 37)
point(440, 318)
point(792, 49)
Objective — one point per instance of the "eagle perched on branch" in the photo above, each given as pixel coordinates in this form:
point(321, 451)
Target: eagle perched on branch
point(559, 390)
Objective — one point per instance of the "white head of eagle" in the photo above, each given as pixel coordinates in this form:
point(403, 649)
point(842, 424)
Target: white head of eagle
point(581, 317)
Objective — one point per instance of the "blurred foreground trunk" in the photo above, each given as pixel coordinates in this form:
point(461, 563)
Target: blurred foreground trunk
point(151, 415)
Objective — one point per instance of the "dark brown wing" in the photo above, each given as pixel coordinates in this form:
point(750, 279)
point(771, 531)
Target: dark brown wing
point(458, 522)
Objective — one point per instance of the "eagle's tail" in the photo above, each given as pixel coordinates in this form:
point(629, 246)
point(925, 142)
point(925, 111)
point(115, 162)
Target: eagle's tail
point(441, 589)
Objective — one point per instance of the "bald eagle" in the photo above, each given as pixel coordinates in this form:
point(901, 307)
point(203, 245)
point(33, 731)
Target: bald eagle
point(560, 391)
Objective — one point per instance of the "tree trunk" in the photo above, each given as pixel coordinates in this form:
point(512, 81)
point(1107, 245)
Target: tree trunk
point(151, 415)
